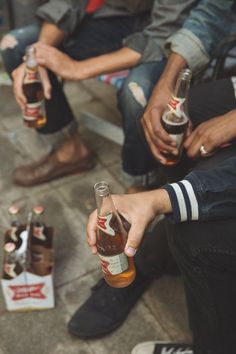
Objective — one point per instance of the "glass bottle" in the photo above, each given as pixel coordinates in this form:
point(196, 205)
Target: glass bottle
point(175, 118)
point(15, 223)
point(11, 266)
point(34, 113)
point(118, 269)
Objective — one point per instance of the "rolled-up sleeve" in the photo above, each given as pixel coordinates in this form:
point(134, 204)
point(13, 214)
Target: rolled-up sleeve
point(167, 17)
point(209, 23)
point(65, 14)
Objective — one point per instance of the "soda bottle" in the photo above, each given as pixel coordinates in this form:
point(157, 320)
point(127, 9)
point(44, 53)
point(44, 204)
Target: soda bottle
point(118, 269)
point(34, 113)
point(175, 118)
point(11, 267)
point(41, 244)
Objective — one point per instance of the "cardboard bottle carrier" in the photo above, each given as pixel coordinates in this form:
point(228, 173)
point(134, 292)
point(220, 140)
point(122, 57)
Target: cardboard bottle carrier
point(27, 281)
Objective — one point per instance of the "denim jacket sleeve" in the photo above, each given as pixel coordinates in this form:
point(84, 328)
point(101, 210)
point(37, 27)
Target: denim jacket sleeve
point(66, 14)
point(167, 17)
point(209, 23)
point(205, 195)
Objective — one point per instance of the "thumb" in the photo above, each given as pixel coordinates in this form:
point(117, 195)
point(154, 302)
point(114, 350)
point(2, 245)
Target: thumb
point(135, 236)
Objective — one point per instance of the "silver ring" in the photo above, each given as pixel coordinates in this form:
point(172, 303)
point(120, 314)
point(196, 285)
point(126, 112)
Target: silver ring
point(203, 150)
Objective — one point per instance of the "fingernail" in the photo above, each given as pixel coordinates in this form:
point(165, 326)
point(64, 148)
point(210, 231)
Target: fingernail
point(173, 143)
point(175, 152)
point(162, 161)
point(130, 251)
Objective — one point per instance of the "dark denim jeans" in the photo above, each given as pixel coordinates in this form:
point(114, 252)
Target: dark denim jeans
point(92, 38)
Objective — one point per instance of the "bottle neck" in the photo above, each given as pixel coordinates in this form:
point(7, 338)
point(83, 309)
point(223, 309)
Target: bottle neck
point(104, 200)
point(31, 63)
point(181, 88)
point(182, 84)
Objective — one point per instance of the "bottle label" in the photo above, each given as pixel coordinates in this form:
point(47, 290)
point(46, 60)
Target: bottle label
point(13, 233)
point(175, 105)
point(38, 232)
point(103, 223)
point(33, 111)
point(178, 138)
point(113, 265)
point(10, 270)
point(31, 76)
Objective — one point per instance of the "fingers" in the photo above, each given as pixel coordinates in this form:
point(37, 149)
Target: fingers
point(92, 232)
point(18, 77)
point(45, 82)
point(134, 238)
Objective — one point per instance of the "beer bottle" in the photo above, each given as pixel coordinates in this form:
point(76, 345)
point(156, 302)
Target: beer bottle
point(118, 269)
point(34, 113)
point(175, 118)
point(11, 266)
point(38, 225)
point(41, 244)
point(15, 224)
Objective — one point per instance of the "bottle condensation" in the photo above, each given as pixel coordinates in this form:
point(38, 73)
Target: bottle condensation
point(118, 269)
point(34, 113)
point(175, 118)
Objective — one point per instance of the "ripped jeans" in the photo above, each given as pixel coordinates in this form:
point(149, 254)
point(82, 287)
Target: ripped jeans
point(96, 36)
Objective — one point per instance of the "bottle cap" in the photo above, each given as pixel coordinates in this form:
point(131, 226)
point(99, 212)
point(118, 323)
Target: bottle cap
point(9, 247)
point(14, 209)
point(38, 210)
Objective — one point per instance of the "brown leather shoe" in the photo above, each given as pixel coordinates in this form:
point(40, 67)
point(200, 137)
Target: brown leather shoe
point(49, 168)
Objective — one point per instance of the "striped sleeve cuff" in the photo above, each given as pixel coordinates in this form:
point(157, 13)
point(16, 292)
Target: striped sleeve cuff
point(184, 201)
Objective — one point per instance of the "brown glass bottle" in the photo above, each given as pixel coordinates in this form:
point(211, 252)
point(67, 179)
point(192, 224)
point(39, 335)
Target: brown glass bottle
point(118, 269)
point(34, 114)
point(11, 267)
point(41, 244)
point(175, 119)
point(12, 234)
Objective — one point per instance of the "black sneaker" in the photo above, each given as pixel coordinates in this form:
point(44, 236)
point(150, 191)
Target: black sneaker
point(106, 308)
point(157, 347)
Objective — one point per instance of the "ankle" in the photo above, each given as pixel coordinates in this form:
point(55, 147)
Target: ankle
point(72, 149)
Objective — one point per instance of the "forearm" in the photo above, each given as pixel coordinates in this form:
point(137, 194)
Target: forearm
point(50, 34)
point(159, 200)
point(122, 59)
point(174, 65)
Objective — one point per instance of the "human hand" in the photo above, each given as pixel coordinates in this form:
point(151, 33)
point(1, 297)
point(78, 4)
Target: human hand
point(139, 210)
point(211, 134)
point(58, 62)
point(158, 139)
point(18, 77)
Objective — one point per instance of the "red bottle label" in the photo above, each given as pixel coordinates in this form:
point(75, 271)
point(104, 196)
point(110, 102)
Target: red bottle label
point(31, 76)
point(103, 223)
point(175, 105)
point(33, 111)
point(113, 265)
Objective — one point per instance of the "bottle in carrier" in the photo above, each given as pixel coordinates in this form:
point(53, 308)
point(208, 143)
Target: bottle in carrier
point(41, 244)
point(15, 224)
point(34, 114)
point(175, 118)
point(11, 267)
point(118, 269)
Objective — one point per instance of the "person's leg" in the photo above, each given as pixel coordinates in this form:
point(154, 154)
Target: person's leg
point(107, 307)
point(59, 133)
point(71, 154)
point(206, 101)
point(139, 165)
point(206, 255)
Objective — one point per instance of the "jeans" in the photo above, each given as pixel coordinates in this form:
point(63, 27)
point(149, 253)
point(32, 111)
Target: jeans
point(93, 37)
